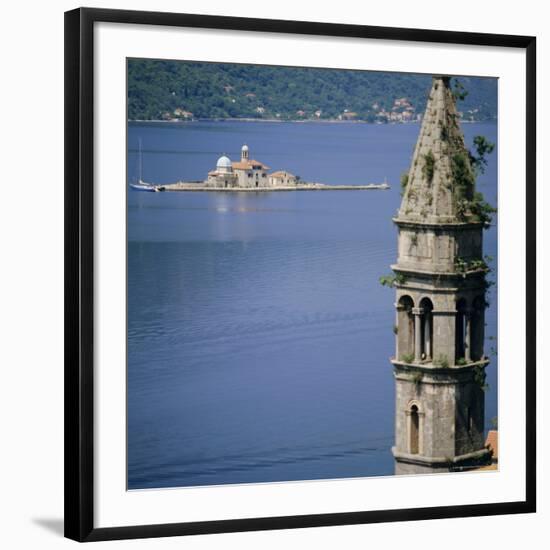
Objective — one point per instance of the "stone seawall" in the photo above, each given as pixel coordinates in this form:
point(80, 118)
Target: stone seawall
point(187, 186)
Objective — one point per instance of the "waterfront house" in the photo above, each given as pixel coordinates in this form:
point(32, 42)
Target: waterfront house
point(282, 178)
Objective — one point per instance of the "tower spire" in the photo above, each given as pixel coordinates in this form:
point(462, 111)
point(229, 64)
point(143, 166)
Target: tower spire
point(440, 181)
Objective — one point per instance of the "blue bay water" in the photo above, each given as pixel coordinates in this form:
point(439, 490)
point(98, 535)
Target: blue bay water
point(259, 336)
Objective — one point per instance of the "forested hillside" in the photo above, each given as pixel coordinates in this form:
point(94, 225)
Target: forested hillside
point(189, 90)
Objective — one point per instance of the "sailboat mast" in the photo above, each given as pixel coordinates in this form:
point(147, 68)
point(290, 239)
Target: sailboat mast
point(140, 163)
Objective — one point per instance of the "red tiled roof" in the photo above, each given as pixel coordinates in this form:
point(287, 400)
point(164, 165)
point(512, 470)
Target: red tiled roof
point(492, 443)
point(248, 164)
point(281, 174)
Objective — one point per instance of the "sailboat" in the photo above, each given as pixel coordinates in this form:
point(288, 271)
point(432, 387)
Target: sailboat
point(140, 185)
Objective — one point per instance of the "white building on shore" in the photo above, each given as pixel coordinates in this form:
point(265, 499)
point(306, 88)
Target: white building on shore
point(282, 178)
point(246, 173)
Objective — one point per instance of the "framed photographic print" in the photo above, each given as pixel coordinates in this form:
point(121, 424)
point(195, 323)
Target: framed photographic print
point(300, 274)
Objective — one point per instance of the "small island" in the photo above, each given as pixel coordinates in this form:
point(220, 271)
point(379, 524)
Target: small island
point(252, 175)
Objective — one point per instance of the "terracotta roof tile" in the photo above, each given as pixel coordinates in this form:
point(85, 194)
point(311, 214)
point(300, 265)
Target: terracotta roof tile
point(492, 443)
point(282, 173)
point(247, 164)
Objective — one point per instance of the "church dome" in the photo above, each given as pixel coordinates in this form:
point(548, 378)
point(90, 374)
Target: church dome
point(224, 164)
point(244, 148)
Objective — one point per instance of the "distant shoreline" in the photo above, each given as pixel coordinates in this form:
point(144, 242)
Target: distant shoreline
point(297, 121)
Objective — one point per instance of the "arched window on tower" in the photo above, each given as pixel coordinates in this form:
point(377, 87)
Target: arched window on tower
point(478, 328)
point(460, 330)
point(405, 328)
point(414, 430)
point(426, 325)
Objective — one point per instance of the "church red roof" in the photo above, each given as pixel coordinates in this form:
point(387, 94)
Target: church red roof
point(248, 164)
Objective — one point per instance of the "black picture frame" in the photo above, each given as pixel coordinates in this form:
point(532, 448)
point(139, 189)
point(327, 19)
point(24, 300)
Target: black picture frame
point(79, 272)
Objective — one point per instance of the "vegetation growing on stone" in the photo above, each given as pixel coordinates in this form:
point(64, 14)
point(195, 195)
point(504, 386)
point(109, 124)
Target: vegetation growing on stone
point(442, 361)
point(463, 177)
point(477, 264)
point(429, 166)
point(480, 377)
point(481, 210)
point(443, 132)
point(483, 148)
point(459, 91)
point(404, 180)
point(468, 202)
point(392, 280)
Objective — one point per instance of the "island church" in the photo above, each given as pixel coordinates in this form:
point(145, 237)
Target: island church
point(246, 173)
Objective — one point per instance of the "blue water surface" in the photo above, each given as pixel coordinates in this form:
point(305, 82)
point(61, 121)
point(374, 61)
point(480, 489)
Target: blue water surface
point(259, 336)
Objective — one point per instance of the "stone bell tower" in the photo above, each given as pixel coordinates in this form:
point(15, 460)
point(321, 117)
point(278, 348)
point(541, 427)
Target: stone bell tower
point(439, 363)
